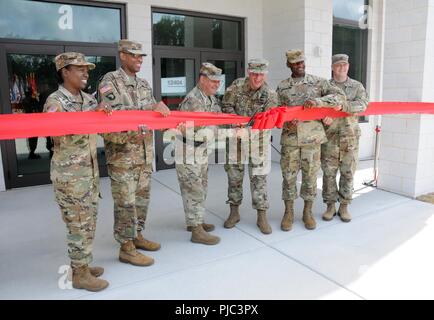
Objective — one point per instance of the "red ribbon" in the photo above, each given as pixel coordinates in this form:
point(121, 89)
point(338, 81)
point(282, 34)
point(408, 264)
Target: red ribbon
point(277, 117)
point(16, 126)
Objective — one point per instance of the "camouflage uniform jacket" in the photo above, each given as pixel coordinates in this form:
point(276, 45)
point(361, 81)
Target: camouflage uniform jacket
point(74, 155)
point(122, 92)
point(294, 92)
point(197, 101)
point(357, 101)
point(241, 100)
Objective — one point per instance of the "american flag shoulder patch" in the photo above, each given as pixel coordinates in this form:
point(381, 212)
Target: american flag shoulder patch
point(52, 108)
point(106, 89)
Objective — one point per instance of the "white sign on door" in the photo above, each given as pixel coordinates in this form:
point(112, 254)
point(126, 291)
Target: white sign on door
point(173, 86)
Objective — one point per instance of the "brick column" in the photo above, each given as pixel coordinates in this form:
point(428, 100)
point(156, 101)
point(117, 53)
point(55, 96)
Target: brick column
point(407, 144)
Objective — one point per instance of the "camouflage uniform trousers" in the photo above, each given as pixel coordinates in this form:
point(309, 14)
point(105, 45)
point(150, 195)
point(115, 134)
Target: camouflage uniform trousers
point(339, 153)
point(258, 182)
point(193, 183)
point(131, 188)
point(78, 202)
point(306, 158)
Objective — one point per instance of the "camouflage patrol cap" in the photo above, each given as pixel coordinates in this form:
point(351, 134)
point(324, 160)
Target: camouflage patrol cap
point(132, 47)
point(339, 58)
point(258, 66)
point(211, 71)
point(294, 56)
point(71, 58)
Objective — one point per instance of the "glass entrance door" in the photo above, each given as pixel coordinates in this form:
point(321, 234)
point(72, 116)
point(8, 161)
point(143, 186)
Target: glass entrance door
point(30, 79)
point(175, 75)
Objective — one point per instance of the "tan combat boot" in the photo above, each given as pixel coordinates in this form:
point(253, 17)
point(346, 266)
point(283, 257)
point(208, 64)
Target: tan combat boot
point(206, 226)
point(343, 213)
point(129, 254)
point(330, 212)
point(96, 271)
point(199, 235)
point(309, 221)
point(234, 217)
point(142, 243)
point(288, 217)
point(82, 279)
point(262, 222)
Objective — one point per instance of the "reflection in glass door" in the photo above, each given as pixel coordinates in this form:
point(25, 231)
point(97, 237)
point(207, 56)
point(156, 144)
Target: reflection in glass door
point(31, 78)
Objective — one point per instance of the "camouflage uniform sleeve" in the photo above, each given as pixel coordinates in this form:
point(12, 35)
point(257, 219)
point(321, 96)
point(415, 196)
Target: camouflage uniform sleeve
point(360, 102)
point(52, 105)
point(217, 105)
point(119, 137)
point(228, 102)
point(280, 99)
point(190, 104)
point(109, 93)
point(150, 97)
point(331, 96)
point(273, 100)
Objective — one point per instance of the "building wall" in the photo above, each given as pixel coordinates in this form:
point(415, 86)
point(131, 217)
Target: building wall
point(407, 147)
point(425, 170)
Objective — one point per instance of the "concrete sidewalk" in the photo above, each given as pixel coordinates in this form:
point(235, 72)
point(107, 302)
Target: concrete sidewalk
point(384, 253)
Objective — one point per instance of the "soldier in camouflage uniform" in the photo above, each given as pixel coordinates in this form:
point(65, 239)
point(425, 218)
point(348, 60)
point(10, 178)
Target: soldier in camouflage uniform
point(341, 150)
point(193, 173)
point(130, 154)
point(74, 170)
point(301, 141)
point(246, 97)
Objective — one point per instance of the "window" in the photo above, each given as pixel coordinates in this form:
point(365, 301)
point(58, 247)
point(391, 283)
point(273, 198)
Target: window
point(195, 32)
point(350, 10)
point(350, 38)
point(39, 20)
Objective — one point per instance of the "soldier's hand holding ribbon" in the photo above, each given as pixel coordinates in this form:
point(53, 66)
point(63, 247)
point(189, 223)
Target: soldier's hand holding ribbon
point(161, 108)
point(327, 121)
point(310, 104)
point(104, 107)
